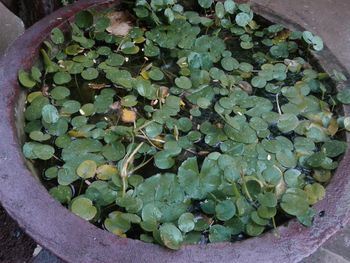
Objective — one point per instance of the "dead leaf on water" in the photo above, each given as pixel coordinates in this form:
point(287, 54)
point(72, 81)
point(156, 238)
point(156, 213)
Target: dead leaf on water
point(120, 23)
point(97, 86)
point(244, 85)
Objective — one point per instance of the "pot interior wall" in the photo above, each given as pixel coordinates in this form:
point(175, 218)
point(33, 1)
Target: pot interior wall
point(20, 124)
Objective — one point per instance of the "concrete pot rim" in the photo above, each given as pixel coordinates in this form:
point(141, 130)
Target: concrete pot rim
point(75, 240)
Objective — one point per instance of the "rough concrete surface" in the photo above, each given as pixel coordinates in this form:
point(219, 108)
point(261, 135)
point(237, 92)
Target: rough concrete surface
point(327, 18)
point(11, 27)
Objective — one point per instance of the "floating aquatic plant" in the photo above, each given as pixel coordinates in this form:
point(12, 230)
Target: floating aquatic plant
point(183, 125)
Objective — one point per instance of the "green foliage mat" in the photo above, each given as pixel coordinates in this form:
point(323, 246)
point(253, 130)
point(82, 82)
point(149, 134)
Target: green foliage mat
point(177, 126)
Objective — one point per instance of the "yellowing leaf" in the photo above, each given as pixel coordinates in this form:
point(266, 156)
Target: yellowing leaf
point(119, 233)
point(182, 103)
point(87, 169)
point(144, 74)
point(128, 116)
point(281, 36)
point(333, 127)
point(105, 172)
point(77, 134)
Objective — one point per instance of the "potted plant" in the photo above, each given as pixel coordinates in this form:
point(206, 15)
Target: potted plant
point(178, 127)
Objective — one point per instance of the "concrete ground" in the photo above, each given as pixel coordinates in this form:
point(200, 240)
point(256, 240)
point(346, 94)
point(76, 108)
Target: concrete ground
point(328, 18)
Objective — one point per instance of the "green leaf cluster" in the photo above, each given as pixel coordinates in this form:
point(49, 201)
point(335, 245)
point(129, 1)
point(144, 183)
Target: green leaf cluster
point(194, 126)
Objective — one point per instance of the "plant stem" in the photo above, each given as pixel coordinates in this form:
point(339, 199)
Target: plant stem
point(124, 172)
point(149, 139)
point(144, 126)
point(245, 189)
point(81, 186)
point(214, 197)
point(278, 104)
point(124, 186)
point(141, 165)
point(235, 190)
point(277, 234)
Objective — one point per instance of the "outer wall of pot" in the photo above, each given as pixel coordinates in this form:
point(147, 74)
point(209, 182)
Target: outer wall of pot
point(74, 240)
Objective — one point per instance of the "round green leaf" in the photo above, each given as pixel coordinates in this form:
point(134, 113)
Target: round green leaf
point(43, 152)
point(39, 136)
point(90, 74)
point(102, 23)
point(183, 83)
point(315, 192)
point(83, 207)
point(286, 158)
point(229, 63)
point(173, 148)
point(153, 130)
point(84, 19)
point(151, 213)
point(25, 79)
point(87, 169)
point(61, 193)
point(205, 3)
point(287, 122)
point(171, 236)
point(60, 93)
point(242, 19)
point(225, 210)
point(220, 10)
point(219, 233)
point(295, 202)
point(114, 151)
point(87, 109)
point(115, 60)
point(268, 199)
point(258, 82)
point(129, 101)
point(203, 103)
point(50, 114)
point(230, 6)
point(61, 78)
point(156, 74)
point(70, 106)
point(344, 96)
point(163, 160)
point(186, 222)
point(254, 230)
point(57, 36)
point(272, 175)
point(51, 173)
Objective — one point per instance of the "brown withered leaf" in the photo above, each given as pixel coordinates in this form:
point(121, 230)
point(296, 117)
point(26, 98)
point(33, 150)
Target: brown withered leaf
point(97, 86)
point(244, 85)
point(116, 105)
point(280, 188)
point(163, 92)
point(121, 23)
point(45, 90)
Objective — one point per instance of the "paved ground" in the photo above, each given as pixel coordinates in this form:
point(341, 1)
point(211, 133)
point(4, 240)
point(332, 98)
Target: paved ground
point(329, 19)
